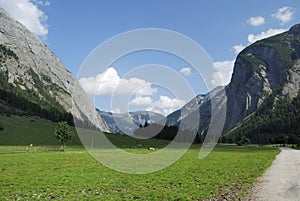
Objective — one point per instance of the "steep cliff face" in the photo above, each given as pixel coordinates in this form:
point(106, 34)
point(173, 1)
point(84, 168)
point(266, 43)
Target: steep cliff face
point(268, 65)
point(34, 71)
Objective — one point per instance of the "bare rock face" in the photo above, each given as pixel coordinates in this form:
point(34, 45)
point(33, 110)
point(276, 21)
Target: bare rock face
point(267, 66)
point(34, 67)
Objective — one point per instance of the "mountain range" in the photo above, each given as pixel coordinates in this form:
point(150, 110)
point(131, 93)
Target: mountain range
point(263, 91)
point(127, 123)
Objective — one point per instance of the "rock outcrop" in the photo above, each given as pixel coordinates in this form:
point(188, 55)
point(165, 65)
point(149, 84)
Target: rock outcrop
point(34, 67)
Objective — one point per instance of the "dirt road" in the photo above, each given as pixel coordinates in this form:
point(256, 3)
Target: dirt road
point(281, 182)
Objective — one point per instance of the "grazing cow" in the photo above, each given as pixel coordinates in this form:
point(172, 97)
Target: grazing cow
point(151, 148)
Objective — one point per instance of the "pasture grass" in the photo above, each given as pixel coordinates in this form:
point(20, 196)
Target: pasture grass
point(33, 173)
point(228, 172)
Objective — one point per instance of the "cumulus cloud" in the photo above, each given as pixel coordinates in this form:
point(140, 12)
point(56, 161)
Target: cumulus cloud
point(256, 21)
point(165, 105)
point(27, 13)
point(109, 82)
point(284, 15)
point(141, 100)
point(238, 48)
point(106, 83)
point(135, 86)
point(223, 76)
point(186, 71)
point(265, 34)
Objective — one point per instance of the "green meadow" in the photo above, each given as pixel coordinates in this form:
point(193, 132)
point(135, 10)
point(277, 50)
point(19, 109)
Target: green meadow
point(74, 175)
point(37, 174)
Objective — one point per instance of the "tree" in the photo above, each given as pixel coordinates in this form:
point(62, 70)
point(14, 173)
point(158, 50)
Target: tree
point(63, 133)
point(1, 127)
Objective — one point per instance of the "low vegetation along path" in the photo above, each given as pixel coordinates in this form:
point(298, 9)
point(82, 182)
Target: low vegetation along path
point(282, 180)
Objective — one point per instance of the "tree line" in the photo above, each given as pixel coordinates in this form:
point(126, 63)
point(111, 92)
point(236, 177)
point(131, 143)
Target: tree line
point(276, 121)
point(166, 132)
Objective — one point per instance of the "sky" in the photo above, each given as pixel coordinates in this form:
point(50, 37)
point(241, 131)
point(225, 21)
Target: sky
point(74, 29)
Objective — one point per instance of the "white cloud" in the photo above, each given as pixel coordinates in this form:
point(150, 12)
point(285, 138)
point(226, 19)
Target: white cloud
point(141, 100)
point(166, 105)
point(223, 74)
point(40, 2)
point(256, 21)
point(27, 13)
point(284, 15)
point(265, 34)
point(109, 82)
point(186, 71)
point(238, 48)
point(135, 86)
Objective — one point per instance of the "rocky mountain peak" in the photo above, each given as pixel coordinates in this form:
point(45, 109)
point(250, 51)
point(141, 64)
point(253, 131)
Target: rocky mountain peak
point(38, 76)
point(295, 30)
point(269, 66)
point(260, 69)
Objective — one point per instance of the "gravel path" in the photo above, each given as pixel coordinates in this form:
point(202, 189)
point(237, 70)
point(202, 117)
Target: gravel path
point(281, 182)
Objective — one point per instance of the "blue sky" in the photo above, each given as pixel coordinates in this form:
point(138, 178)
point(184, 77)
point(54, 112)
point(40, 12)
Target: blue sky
point(72, 29)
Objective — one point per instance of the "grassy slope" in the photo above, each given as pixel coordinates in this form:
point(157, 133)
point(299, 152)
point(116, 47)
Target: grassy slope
point(20, 130)
point(75, 175)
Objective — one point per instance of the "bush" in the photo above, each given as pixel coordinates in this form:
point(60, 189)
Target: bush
point(1, 128)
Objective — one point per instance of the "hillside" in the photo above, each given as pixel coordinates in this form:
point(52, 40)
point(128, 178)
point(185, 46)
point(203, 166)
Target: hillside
point(30, 130)
point(275, 121)
point(35, 82)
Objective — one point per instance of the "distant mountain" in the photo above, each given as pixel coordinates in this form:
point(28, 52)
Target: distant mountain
point(198, 109)
point(265, 73)
point(127, 123)
point(33, 81)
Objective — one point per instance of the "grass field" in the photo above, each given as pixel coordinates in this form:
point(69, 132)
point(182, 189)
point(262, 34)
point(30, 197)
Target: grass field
point(33, 173)
point(74, 175)
point(26, 130)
